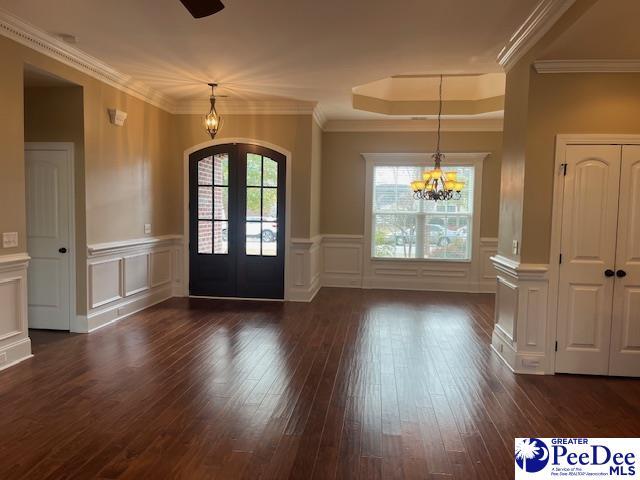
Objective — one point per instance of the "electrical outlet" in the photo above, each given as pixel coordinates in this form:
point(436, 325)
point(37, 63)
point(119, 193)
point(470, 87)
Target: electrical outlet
point(516, 247)
point(10, 240)
point(147, 229)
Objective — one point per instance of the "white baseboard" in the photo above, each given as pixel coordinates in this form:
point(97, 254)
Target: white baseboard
point(123, 309)
point(15, 353)
point(424, 285)
point(297, 294)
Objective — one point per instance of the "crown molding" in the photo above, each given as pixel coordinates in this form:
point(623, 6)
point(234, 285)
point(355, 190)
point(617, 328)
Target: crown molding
point(30, 36)
point(241, 107)
point(319, 117)
point(539, 22)
point(587, 66)
point(42, 42)
point(397, 125)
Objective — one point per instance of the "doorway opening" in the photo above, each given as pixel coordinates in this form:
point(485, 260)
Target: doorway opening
point(54, 140)
point(237, 221)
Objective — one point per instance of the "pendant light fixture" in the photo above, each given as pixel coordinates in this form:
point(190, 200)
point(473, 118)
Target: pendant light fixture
point(436, 184)
point(213, 120)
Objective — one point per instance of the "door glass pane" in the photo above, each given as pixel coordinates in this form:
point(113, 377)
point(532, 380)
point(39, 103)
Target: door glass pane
point(221, 169)
point(253, 204)
point(269, 239)
point(269, 204)
point(205, 205)
point(254, 170)
point(253, 238)
point(205, 237)
point(270, 173)
point(221, 238)
point(205, 171)
point(221, 203)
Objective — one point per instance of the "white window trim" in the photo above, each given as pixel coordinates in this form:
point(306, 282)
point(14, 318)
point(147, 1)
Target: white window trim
point(475, 160)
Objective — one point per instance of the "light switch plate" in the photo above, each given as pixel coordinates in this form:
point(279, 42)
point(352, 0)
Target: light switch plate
point(515, 247)
point(147, 228)
point(9, 239)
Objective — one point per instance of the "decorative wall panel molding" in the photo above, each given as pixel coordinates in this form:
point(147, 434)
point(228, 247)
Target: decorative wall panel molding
point(520, 331)
point(15, 345)
point(126, 277)
point(305, 259)
point(345, 264)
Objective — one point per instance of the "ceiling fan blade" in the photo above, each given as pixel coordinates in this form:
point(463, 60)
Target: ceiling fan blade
point(202, 8)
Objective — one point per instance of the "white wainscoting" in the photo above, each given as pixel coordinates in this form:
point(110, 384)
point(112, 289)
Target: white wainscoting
point(342, 260)
point(15, 345)
point(346, 263)
point(520, 332)
point(126, 277)
point(304, 276)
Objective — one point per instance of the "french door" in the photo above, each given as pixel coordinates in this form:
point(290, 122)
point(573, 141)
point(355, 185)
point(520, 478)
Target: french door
point(599, 287)
point(237, 222)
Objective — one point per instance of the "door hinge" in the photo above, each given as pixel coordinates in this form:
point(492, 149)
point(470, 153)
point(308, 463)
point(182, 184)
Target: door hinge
point(560, 260)
point(556, 345)
point(563, 168)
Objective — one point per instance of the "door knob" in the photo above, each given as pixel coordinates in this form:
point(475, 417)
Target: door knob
point(609, 273)
point(62, 250)
point(621, 273)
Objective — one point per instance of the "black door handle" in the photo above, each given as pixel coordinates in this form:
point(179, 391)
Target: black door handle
point(609, 273)
point(62, 250)
point(621, 273)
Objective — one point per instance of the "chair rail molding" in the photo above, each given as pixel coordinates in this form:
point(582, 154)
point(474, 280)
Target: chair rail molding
point(15, 345)
point(520, 332)
point(545, 14)
point(128, 276)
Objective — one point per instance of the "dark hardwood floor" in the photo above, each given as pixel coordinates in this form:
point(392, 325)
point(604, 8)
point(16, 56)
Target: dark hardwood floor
point(357, 384)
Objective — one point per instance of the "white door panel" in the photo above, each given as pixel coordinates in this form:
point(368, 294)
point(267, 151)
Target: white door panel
point(48, 189)
point(625, 334)
point(589, 224)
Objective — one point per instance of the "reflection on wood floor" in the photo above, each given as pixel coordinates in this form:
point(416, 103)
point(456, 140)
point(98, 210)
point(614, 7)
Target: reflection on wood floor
point(357, 384)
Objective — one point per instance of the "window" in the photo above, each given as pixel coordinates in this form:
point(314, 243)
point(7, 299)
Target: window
point(403, 227)
point(213, 205)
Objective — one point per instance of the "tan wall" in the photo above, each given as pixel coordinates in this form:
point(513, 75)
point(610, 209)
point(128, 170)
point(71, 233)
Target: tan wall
point(316, 180)
point(57, 115)
point(126, 169)
point(343, 172)
point(291, 132)
point(571, 103)
point(516, 118)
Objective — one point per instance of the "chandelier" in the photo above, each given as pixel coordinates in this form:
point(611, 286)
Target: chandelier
point(437, 184)
point(213, 120)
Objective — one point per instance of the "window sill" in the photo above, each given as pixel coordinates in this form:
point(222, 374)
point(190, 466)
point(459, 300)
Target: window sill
point(419, 260)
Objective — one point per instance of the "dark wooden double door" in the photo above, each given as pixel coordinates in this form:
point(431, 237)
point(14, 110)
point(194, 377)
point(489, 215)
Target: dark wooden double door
point(237, 222)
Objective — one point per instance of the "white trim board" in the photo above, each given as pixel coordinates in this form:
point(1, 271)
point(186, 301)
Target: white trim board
point(111, 247)
point(539, 22)
point(185, 205)
point(587, 66)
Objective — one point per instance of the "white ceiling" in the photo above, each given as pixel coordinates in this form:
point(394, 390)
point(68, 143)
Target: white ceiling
point(308, 50)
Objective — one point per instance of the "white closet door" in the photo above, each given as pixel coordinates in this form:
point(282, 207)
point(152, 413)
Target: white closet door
point(48, 186)
point(625, 333)
point(589, 225)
